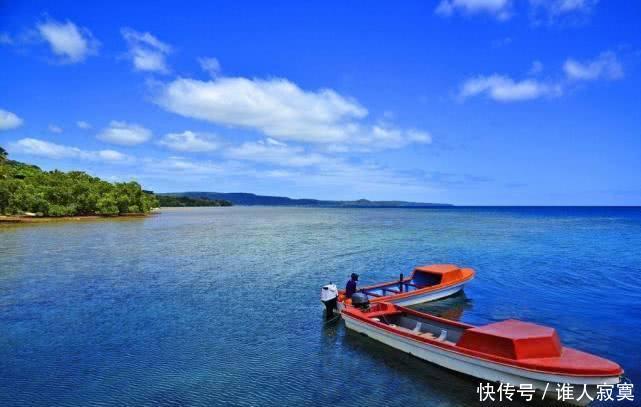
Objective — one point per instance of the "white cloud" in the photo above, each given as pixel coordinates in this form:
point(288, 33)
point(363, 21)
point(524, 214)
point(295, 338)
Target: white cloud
point(275, 152)
point(41, 148)
point(504, 89)
point(55, 129)
point(124, 134)
point(182, 166)
point(210, 65)
point(147, 52)
point(83, 125)
point(360, 180)
point(500, 9)
point(9, 120)
point(557, 8)
point(112, 155)
point(69, 42)
point(337, 176)
point(281, 110)
point(276, 107)
point(605, 66)
point(383, 136)
point(189, 141)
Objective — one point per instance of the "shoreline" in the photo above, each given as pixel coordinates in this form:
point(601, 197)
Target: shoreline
point(47, 219)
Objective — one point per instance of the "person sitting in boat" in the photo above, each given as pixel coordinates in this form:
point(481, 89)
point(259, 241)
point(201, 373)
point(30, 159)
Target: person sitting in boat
point(350, 287)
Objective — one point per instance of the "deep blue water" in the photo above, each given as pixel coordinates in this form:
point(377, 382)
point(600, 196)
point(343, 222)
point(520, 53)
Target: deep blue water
point(220, 306)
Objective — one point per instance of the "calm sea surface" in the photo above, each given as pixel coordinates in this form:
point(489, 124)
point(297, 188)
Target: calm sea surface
point(220, 306)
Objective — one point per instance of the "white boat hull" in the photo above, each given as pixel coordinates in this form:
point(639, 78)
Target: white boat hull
point(481, 369)
point(419, 298)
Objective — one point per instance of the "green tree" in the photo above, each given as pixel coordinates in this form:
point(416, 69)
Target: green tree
point(107, 205)
point(26, 188)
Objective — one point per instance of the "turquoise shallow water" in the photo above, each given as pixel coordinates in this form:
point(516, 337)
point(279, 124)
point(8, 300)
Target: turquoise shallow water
point(220, 306)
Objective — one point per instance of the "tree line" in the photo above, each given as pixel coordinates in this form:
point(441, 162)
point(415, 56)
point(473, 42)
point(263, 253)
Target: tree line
point(27, 188)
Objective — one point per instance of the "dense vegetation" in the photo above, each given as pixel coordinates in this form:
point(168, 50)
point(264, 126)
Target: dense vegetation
point(26, 188)
point(170, 200)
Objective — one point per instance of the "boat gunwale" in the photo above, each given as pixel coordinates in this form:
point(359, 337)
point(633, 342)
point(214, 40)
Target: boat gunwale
point(467, 352)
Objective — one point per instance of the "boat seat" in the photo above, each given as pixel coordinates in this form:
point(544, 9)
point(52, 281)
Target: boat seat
point(415, 331)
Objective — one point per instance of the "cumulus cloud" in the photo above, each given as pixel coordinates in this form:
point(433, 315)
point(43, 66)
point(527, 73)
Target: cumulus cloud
point(83, 125)
point(605, 66)
point(500, 9)
point(189, 141)
point(282, 110)
point(41, 148)
point(55, 129)
point(9, 120)
point(125, 134)
point(275, 152)
point(147, 52)
point(68, 41)
point(504, 89)
point(276, 107)
point(210, 65)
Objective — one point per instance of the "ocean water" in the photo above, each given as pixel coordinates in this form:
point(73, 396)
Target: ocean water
point(220, 306)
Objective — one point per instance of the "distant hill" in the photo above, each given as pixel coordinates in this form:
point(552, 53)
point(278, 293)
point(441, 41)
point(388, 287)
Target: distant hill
point(242, 198)
point(185, 201)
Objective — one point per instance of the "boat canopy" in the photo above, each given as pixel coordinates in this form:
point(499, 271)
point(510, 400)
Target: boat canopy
point(438, 274)
point(513, 339)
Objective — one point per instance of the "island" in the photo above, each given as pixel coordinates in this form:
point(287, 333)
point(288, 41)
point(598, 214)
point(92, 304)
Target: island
point(28, 192)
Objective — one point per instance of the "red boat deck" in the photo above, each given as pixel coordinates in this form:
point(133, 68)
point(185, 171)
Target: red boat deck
point(513, 339)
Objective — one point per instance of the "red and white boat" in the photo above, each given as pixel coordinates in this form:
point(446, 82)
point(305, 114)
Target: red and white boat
point(426, 283)
point(510, 351)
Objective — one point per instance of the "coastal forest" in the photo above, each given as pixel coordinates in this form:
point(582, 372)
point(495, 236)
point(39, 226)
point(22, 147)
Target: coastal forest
point(26, 188)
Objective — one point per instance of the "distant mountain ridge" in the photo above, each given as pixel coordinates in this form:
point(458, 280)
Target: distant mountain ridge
point(243, 198)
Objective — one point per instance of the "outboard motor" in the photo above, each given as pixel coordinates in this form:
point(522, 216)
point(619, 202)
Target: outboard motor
point(329, 297)
point(360, 301)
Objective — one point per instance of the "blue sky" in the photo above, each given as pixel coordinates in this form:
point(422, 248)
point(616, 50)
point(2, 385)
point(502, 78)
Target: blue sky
point(526, 102)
